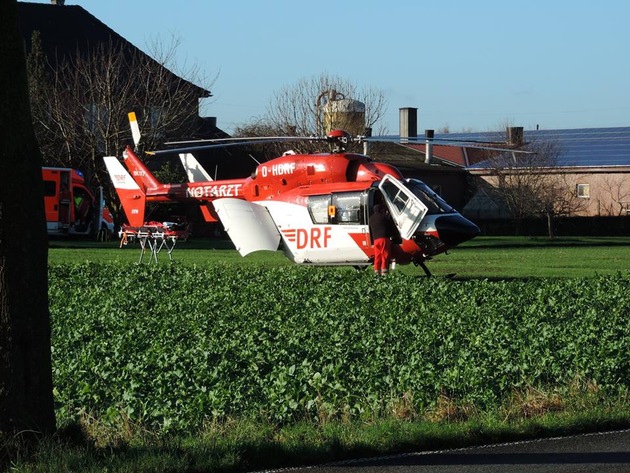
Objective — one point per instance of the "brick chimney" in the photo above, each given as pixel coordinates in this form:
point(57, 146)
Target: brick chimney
point(515, 135)
point(58, 2)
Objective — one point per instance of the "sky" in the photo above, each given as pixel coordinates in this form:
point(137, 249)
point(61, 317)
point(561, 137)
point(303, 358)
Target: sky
point(466, 65)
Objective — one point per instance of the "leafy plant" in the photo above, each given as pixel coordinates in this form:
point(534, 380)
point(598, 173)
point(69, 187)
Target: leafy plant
point(174, 348)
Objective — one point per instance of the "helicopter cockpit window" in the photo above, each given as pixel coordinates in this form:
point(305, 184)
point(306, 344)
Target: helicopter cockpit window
point(434, 203)
point(396, 196)
point(318, 208)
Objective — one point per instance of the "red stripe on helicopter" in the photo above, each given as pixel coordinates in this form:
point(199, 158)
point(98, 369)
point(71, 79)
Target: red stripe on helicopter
point(290, 234)
point(362, 240)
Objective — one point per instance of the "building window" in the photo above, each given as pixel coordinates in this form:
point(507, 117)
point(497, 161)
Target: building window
point(583, 191)
point(97, 117)
point(155, 116)
point(97, 121)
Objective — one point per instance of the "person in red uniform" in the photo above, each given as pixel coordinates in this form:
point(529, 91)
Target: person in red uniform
point(382, 230)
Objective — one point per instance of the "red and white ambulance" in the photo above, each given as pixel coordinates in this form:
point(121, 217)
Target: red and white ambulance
point(72, 207)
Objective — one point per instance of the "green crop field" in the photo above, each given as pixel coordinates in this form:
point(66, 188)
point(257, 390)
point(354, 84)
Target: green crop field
point(484, 257)
point(179, 346)
point(505, 257)
point(266, 363)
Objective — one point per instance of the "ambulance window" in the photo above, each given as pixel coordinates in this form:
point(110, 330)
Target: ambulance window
point(318, 208)
point(348, 208)
point(50, 188)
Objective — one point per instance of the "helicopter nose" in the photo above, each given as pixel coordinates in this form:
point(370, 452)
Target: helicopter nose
point(455, 229)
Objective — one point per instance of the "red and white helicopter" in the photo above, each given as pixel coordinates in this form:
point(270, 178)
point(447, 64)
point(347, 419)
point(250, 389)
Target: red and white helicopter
point(318, 205)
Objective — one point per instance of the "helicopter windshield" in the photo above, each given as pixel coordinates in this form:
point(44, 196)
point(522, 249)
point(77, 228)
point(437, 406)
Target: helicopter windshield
point(434, 203)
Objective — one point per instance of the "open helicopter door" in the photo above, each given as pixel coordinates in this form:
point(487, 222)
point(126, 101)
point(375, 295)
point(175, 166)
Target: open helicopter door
point(249, 225)
point(405, 207)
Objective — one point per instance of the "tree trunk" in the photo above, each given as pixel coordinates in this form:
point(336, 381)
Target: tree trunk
point(26, 399)
point(550, 231)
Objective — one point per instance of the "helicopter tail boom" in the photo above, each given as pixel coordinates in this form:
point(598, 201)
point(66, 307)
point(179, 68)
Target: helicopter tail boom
point(141, 174)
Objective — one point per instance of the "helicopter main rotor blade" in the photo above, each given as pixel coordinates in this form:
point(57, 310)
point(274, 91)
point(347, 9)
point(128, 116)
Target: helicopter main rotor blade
point(402, 141)
point(245, 139)
point(205, 144)
point(234, 142)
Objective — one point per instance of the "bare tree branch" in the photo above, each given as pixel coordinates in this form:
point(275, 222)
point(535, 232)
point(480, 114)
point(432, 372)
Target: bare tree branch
point(533, 185)
point(80, 103)
point(298, 109)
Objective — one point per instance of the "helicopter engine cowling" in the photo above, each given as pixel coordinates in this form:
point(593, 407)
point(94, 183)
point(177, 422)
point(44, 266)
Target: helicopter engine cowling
point(368, 171)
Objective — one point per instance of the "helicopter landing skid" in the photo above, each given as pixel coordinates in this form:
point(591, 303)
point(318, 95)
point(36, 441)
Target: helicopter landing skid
point(424, 267)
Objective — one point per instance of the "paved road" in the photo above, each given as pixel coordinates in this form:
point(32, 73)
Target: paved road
point(603, 452)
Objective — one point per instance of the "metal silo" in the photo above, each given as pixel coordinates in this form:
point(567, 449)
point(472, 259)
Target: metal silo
point(342, 113)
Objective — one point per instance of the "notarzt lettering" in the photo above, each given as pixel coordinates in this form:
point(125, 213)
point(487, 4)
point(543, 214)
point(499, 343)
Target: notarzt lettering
point(223, 190)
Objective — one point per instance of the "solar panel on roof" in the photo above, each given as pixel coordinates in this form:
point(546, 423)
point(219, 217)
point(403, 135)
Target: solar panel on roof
point(582, 147)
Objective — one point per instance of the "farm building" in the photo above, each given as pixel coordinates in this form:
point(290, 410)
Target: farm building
point(67, 35)
point(576, 174)
point(594, 164)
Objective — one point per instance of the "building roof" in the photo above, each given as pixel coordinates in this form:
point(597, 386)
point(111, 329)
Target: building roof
point(63, 28)
point(67, 29)
point(580, 147)
point(406, 158)
point(452, 155)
